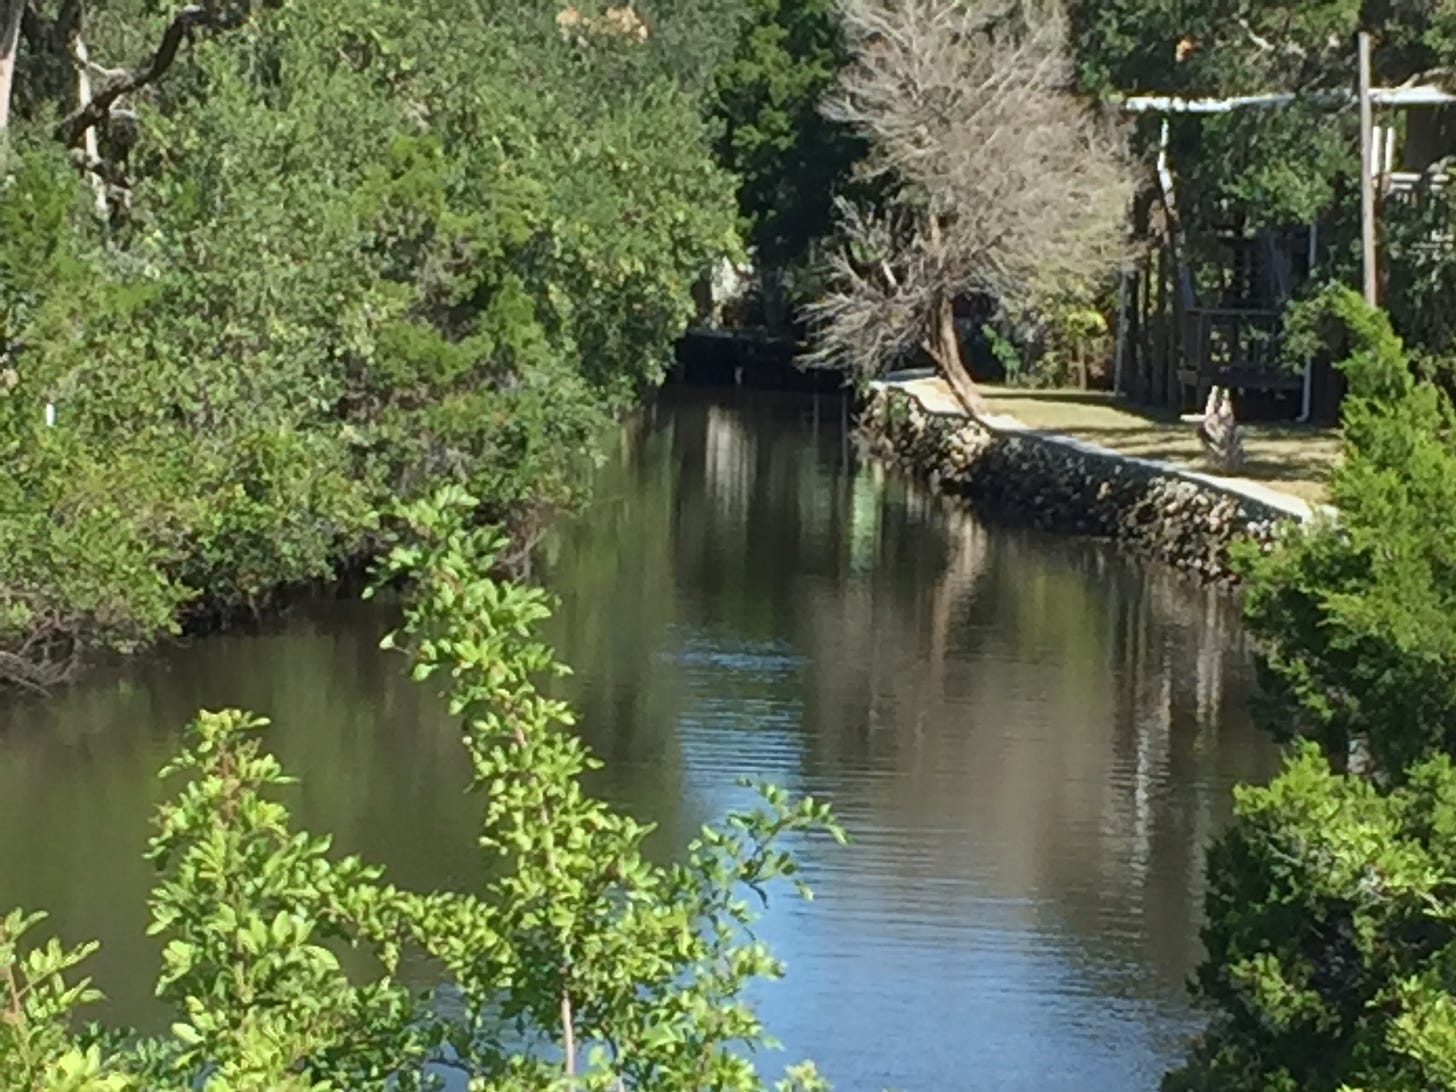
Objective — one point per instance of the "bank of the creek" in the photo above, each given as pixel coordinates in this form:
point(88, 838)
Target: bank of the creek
point(1030, 738)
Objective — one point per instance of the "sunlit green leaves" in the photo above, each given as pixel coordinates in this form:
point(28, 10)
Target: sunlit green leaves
point(572, 940)
point(249, 911)
point(1332, 935)
point(38, 996)
point(579, 937)
point(1355, 615)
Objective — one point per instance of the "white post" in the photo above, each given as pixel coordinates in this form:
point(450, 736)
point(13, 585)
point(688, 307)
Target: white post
point(91, 148)
point(1165, 170)
point(1120, 351)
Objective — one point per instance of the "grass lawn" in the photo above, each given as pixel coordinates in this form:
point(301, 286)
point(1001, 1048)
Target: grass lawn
point(1295, 459)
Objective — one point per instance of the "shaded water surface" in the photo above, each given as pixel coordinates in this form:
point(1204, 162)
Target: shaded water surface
point(1029, 738)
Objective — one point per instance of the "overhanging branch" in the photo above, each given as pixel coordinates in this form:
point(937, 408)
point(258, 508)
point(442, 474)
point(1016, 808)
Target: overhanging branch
point(1288, 48)
point(209, 16)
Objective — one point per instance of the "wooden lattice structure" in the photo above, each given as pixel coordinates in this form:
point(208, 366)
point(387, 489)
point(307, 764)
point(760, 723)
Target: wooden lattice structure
point(1183, 333)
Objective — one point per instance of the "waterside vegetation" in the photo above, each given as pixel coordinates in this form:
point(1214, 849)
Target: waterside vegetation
point(254, 290)
point(325, 259)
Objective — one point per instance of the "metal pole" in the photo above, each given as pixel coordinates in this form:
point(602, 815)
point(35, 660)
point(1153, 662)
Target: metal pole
point(1367, 177)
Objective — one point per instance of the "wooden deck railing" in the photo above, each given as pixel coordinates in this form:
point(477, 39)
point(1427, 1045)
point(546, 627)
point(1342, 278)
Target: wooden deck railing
point(1231, 347)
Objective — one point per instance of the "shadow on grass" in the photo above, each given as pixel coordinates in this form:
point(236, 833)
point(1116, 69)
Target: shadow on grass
point(1304, 456)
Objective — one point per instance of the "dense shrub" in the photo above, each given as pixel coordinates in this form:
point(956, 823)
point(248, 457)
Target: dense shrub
point(1357, 614)
point(1330, 907)
point(360, 249)
point(1330, 937)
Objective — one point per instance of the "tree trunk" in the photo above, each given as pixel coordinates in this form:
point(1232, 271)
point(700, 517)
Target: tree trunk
point(944, 346)
point(10, 13)
point(1219, 431)
point(775, 305)
point(91, 144)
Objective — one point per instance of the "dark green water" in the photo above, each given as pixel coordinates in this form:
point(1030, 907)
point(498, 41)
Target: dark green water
point(1030, 739)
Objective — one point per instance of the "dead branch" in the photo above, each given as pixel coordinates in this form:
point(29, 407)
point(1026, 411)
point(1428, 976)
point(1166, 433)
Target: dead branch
point(880, 310)
point(1442, 76)
point(210, 16)
point(1288, 48)
point(37, 678)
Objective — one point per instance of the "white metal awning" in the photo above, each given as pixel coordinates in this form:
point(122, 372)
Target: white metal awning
point(1396, 97)
point(1411, 96)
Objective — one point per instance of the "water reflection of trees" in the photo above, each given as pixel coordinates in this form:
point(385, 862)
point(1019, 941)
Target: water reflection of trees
point(1038, 714)
point(1037, 691)
point(1001, 715)
point(381, 767)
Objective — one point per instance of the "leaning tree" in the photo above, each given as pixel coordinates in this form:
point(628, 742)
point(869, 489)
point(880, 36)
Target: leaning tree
point(996, 181)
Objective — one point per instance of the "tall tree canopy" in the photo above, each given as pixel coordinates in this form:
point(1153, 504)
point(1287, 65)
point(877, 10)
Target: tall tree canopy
point(791, 160)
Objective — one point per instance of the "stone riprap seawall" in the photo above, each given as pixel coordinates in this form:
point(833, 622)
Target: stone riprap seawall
point(1061, 484)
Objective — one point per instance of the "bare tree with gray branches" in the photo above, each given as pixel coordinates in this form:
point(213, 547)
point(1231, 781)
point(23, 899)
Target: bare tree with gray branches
point(1000, 183)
